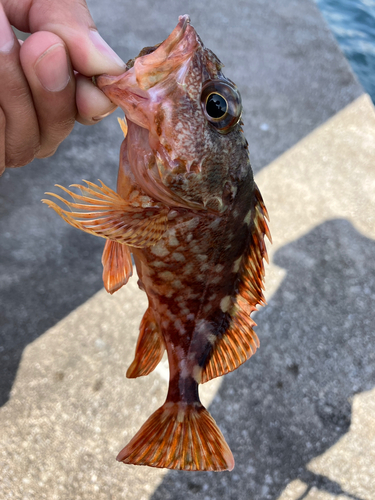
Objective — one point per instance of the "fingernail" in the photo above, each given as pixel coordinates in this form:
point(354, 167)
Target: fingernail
point(6, 33)
point(103, 47)
point(100, 117)
point(52, 68)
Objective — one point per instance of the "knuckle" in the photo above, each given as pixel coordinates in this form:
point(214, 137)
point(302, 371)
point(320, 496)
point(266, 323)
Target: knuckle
point(51, 140)
point(66, 127)
point(2, 121)
point(19, 157)
point(20, 160)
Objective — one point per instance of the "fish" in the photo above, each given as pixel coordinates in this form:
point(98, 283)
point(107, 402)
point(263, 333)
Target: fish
point(188, 211)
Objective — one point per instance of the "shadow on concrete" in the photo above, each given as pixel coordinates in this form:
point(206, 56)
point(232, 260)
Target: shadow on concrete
point(43, 300)
point(292, 401)
point(47, 268)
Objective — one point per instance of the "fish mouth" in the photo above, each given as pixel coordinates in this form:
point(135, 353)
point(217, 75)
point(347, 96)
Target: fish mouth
point(152, 74)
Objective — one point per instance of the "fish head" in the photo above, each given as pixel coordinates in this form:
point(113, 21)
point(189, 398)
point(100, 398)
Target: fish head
point(185, 120)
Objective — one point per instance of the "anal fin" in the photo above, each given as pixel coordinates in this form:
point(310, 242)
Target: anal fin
point(117, 265)
point(179, 436)
point(150, 347)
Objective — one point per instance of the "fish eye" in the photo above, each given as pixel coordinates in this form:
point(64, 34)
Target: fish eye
point(221, 104)
point(216, 106)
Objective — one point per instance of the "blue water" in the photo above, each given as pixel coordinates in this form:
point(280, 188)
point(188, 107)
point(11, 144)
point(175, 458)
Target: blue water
point(353, 24)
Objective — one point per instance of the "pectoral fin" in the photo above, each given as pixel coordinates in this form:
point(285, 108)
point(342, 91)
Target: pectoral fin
point(102, 212)
point(117, 265)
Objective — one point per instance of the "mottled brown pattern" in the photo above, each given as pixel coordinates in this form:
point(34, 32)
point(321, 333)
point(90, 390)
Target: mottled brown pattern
point(189, 211)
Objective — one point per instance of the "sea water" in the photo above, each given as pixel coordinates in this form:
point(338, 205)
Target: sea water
point(353, 24)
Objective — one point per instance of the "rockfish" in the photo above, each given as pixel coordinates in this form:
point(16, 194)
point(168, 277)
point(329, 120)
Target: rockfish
point(189, 212)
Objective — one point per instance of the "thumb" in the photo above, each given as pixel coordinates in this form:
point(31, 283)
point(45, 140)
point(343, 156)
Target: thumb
point(70, 20)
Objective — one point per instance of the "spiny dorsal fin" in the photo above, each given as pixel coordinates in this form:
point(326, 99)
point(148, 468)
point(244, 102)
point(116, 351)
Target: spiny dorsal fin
point(150, 347)
point(239, 342)
point(102, 212)
point(117, 265)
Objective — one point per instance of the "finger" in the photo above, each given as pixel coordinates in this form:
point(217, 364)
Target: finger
point(47, 68)
point(2, 142)
point(21, 126)
point(72, 22)
point(92, 104)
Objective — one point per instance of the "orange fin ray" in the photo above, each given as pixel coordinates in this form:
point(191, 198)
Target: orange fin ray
point(235, 347)
point(123, 125)
point(150, 347)
point(106, 214)
point(179, 436)
point(92, 190)
point(101, 192)
point(262, 215)
point(239, 342)
point(117, 265)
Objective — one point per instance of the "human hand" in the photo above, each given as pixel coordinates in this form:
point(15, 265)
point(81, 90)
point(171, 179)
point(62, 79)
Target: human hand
point(46, 81)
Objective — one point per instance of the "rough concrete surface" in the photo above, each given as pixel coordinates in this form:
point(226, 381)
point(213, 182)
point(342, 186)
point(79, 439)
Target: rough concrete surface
point(299, 416)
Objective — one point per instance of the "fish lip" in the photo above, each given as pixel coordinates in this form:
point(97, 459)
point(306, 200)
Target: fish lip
point(176, 36)
point(164, 50)
point(170, 60)
point(153, 68)
point(123, 91)
point(107, 84)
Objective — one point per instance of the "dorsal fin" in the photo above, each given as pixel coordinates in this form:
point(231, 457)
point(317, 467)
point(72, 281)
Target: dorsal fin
point(239, 341)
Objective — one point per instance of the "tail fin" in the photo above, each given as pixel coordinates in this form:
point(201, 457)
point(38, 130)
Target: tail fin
point(179, 436)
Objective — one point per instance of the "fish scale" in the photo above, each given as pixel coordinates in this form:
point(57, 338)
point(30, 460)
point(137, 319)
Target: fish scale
point(188, 211)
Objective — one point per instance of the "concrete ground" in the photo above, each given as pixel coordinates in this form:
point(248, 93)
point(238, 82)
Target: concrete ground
point(299, 416)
